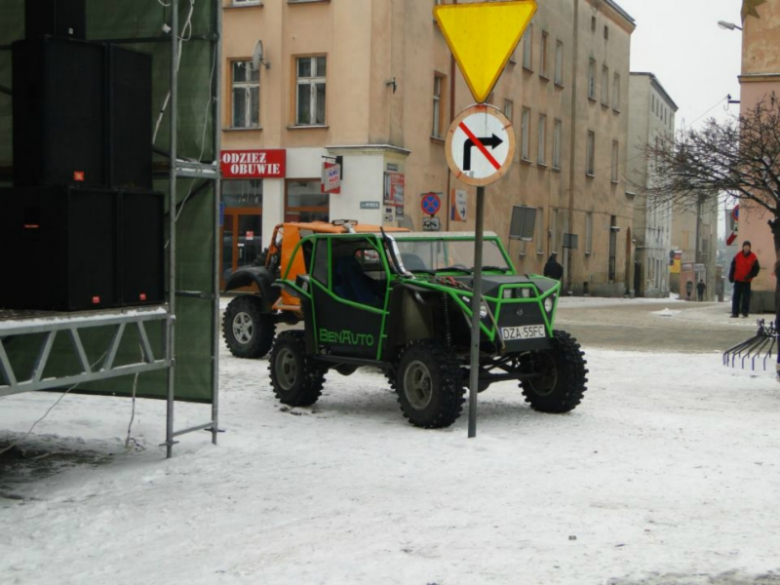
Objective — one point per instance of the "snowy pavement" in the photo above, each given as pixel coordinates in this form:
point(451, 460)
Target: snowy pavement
point(667, 473)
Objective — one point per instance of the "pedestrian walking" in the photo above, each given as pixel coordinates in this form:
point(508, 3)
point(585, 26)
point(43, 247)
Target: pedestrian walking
point(744, 268)
point(700, 288)
point(553, 269)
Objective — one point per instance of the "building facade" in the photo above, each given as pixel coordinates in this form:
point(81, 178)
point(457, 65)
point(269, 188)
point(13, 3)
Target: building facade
point(759, 79)
point(652, 117)
point(372, 84)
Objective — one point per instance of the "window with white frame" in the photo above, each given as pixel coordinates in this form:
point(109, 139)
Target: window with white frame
point(543, 57)
point(557, 137)
point(616, 92)
point(615, 154)
point(525, 132)
point(509, 110)
point(528, 38)
point(540, 230)
point(592, 79)
point(310, 91)
point(541, 154)
point(246, 2)
point(559, 63)
point(246, 95)
point(589, 232)
point(605, 86)
point(590, 154)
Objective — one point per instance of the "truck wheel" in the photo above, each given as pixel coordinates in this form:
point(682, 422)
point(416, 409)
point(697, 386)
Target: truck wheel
point(295, 377)
point(248, 332)
point(429, 385)
point(561, 382)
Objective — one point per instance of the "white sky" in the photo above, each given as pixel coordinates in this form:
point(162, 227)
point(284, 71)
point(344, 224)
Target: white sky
point(696, 61)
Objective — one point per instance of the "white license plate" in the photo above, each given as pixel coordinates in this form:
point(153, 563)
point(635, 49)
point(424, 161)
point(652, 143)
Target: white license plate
point(523, 332)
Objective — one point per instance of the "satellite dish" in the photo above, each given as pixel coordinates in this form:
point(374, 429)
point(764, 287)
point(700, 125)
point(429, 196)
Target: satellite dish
point(257, 56)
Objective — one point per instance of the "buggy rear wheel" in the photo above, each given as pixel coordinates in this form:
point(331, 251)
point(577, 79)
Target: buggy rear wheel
point(560, 380)
point(296, 378)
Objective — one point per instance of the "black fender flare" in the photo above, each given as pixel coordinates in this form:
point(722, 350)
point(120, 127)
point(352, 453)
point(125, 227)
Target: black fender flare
point(261, 278)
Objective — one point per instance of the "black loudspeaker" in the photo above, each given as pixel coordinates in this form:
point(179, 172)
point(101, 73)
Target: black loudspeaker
point(58, 249)
point(129, 122)
point(141, 262)
point(57, 18)
point(59, 113)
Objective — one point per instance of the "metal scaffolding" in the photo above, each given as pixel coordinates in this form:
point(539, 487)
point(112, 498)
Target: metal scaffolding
point(164, 316)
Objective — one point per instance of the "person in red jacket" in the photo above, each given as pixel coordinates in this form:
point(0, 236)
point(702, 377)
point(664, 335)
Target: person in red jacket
point(744, 268)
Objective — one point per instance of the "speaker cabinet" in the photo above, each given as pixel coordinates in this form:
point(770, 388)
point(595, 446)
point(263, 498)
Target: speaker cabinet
point(58, 249)
point(59, 113)
point(141, 262)
point(57, 18)
point(129, 119)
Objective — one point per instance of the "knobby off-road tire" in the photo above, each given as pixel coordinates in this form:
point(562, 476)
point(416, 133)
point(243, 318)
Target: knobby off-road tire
point(429, 385)
point(248, 332)
point(563, 381)
point(295, 377)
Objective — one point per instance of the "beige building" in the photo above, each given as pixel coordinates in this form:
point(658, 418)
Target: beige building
point(760, 77)
point(373, 82)
point(651, 119)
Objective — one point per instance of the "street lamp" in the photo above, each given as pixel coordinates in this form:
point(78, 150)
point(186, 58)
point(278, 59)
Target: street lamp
point(728, 25)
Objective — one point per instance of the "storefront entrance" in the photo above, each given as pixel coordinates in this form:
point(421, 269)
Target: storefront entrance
point(242, 226)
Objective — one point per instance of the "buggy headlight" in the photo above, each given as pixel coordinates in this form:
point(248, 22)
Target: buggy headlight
point(549, 302)
point(483, 310)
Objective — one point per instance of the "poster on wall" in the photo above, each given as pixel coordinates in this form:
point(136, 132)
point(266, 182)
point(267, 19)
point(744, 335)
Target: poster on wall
point(394, 190)
point(458, 205)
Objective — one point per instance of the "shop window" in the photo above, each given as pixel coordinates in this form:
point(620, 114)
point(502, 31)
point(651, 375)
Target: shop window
point(305, 202)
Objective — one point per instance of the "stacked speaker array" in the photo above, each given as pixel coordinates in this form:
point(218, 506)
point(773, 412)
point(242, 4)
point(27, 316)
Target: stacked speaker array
point(81, 228)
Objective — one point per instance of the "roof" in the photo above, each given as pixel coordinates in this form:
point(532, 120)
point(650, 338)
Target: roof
point(658, 86)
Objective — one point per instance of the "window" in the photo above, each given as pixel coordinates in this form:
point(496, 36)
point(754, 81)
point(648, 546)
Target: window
point(592, 79)
point(592, 24)
point(542, 140)
point(543, 69)
point(615, 154)
point(652, 103)
point(559, 63)
point(554, 213)
point(246, 2)
point(509, 110)
point(616, 92)
point(605, 86)
point(556, 155)
point(540, 230)
point(310, 94)
point(438, 110)
point(246, 95)
point(590, 154)
point(525, 129)
point(606, 32)
point(589, 233)
point(304, 201)
point(528, 38)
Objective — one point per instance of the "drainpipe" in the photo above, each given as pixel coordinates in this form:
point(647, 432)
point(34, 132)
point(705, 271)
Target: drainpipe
point(448, 195)
point(573, 140)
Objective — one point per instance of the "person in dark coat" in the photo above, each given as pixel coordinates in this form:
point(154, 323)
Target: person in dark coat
point(700, 288)
point(553, 269)
point(744, 268)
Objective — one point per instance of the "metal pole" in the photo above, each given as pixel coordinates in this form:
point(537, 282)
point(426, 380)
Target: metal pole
point(476, 301)
point(173, 105)
point(217, 199)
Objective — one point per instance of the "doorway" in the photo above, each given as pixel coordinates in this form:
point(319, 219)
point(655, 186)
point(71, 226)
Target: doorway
point(242, 240)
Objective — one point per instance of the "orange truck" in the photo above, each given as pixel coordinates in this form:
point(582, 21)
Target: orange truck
point(250, 320)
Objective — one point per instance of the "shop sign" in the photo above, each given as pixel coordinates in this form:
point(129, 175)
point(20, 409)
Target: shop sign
point(369, 205)
point(331, 178)
point(389, 214)
point(458, 205)
point(394, 190)
point(253, 164)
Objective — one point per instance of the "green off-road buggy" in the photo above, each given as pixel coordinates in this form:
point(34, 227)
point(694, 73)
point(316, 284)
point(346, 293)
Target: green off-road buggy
point(402, 302)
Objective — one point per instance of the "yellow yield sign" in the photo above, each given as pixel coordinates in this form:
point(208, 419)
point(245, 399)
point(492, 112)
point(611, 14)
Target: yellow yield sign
point(482, 37)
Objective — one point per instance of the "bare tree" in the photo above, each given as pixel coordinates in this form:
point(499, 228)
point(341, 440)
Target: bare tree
point(738, 158)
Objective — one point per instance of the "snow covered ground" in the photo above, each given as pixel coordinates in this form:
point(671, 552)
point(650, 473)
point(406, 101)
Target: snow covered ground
point(667, 473)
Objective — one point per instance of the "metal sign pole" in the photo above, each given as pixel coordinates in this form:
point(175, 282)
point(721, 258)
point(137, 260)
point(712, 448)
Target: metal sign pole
point(476, 301)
